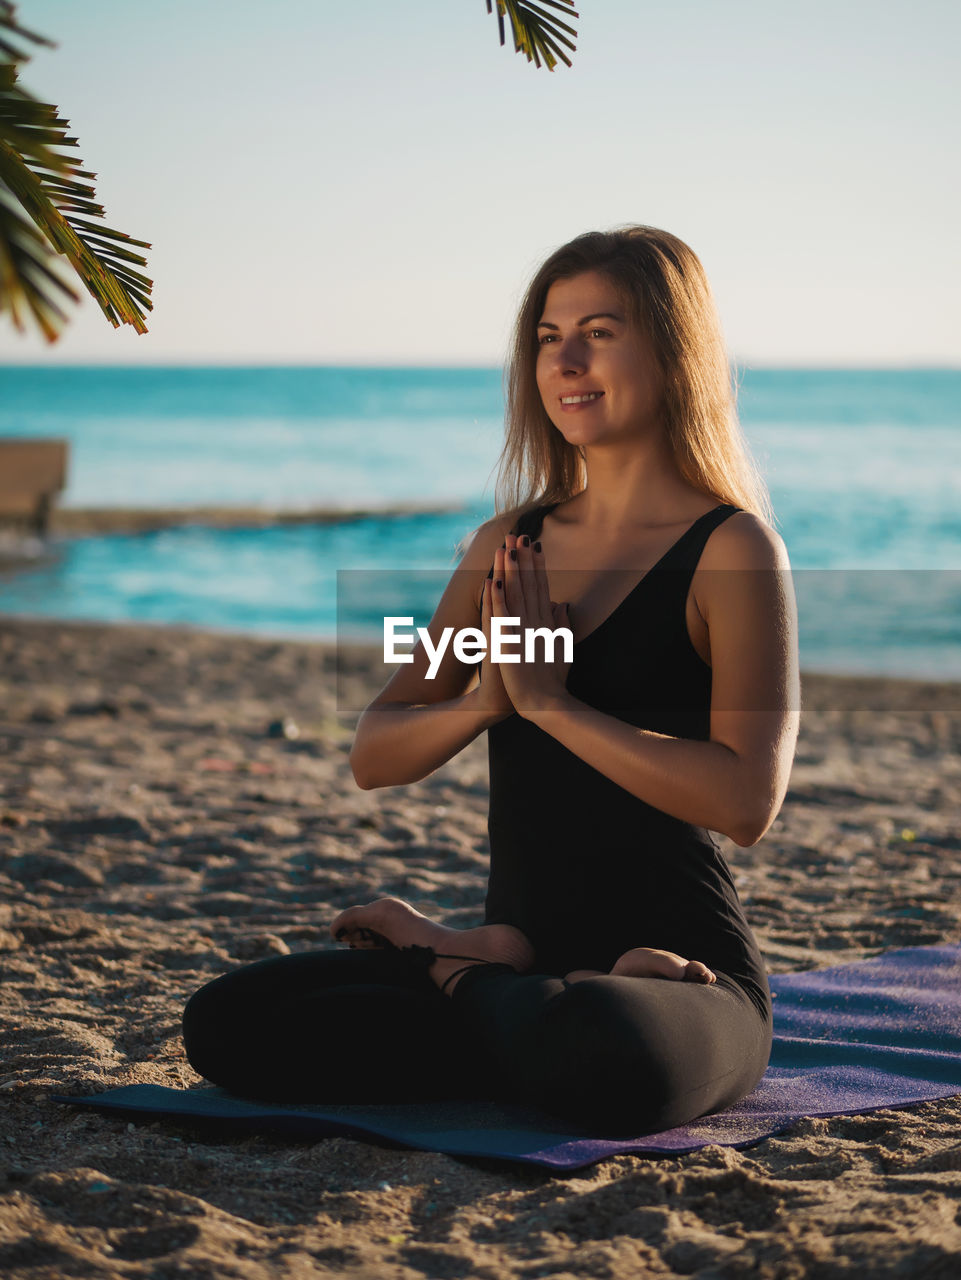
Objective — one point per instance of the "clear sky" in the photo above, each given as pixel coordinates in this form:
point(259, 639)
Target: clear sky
point(373, 181)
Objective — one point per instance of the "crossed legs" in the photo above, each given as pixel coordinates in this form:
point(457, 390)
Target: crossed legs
point(614, 1052)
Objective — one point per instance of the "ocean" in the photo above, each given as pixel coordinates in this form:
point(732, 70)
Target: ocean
point(864, 468)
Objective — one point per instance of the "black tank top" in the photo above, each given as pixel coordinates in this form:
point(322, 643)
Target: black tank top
point(584, 868)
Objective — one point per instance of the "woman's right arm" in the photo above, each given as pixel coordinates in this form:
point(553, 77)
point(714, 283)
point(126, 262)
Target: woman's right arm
point(414, 725)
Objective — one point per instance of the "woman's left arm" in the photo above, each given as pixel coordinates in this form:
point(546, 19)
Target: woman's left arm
point(736, 781)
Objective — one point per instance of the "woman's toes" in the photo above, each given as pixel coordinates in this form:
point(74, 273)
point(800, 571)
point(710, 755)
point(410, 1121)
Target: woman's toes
point(339, 931)
point(578, 975)
point(649, 962)
point(349, 927)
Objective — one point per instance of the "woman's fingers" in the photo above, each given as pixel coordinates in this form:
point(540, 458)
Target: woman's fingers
point(496, 583)
point(494, 692)
point(486, 607)
point(520, 590)
point(514, 581)
point(544, 604)
point(526, 587)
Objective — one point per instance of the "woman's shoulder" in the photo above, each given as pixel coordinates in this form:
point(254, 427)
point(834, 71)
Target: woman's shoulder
point(744, 541)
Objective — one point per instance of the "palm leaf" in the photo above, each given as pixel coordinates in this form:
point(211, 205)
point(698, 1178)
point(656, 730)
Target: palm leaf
point(537, 32)
point(39, 180)
point(9, 26)
point(29, 286)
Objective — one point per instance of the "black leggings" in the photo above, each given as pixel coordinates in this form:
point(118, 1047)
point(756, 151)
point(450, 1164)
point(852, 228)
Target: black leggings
point(628, 1055)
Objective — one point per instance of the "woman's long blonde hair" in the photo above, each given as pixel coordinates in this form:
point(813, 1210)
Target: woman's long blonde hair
point(666, 293)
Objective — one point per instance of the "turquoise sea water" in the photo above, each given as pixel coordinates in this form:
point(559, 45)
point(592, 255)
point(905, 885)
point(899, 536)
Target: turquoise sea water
point(864, 469)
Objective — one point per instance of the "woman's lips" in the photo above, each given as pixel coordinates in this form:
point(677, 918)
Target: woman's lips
point(581, 400)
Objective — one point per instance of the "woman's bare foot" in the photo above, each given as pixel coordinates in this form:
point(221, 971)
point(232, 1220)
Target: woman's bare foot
point(647, 962)
point(391, 922)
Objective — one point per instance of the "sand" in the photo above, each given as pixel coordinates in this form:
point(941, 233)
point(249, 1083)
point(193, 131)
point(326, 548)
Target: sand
point(154, 833)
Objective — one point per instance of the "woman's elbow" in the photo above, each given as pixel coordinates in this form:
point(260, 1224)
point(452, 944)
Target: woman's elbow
point(749, 827)
point(365, 772)
point(368, 776)
point(363, 780)
point(744, 837)
point(361, 767)
point(365, 759)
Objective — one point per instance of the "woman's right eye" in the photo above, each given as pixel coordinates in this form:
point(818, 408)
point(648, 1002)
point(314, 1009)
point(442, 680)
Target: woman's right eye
point(545, 338)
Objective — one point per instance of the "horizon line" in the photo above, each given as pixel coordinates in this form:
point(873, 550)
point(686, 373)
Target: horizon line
point(738, 363)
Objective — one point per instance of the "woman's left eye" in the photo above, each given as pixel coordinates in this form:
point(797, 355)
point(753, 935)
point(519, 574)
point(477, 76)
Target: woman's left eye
point(598, 333)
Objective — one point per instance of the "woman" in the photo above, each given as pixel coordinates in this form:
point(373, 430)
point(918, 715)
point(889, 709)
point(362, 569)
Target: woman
point(615, 980)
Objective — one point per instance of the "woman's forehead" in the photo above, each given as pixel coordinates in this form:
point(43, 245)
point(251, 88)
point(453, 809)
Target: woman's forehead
point(589, 293)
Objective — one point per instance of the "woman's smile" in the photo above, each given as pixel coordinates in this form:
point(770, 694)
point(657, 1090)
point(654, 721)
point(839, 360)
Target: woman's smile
point(580, 401)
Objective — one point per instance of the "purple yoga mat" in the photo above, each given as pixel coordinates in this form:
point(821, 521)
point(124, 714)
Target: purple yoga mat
point(877, 1033)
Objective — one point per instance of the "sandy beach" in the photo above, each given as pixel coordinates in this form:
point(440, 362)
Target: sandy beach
point(155, 830)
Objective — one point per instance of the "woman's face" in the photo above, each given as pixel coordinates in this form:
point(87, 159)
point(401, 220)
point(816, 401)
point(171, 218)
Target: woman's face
point(597, 374)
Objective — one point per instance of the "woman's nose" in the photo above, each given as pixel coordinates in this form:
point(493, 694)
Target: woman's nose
point(570, 354)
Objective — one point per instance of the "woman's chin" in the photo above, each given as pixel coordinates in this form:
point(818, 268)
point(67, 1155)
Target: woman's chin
point(583, 436)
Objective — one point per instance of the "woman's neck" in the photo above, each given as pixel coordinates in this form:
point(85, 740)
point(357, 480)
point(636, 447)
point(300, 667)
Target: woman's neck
point(639, 487)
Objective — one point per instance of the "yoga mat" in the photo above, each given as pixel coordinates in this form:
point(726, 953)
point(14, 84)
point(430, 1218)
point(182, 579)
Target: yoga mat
point(884, 1032)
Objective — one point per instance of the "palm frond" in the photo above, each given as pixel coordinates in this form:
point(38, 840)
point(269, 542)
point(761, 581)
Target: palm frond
point(29, 284)
point(10, 27)
point(40, 180)
point(537, 32)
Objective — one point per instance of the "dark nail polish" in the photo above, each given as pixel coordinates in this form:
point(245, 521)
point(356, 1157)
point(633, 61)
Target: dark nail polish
point(537, 546)
point(498, 584)
point(525, 541)
point(513, 554)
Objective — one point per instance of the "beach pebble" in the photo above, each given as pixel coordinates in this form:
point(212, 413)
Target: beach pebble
point(284, 728)
point(275, 825)
point(260, 945)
